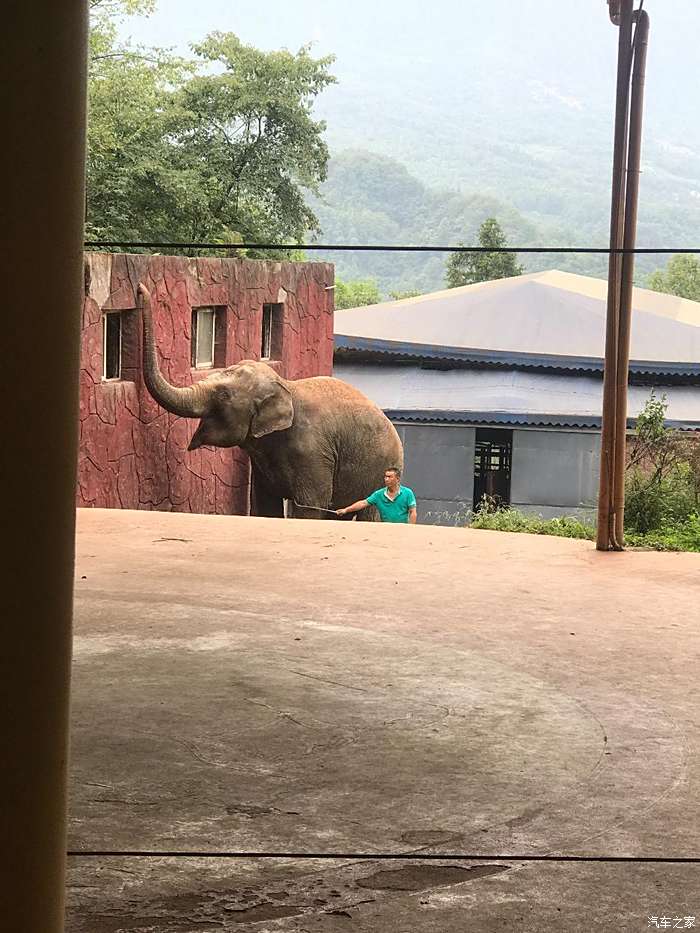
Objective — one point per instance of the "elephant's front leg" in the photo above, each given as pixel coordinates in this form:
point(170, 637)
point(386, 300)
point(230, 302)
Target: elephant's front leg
point(263, 502)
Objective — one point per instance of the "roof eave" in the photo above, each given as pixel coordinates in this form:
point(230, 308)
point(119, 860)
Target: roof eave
point(371, 349)
point(515, 419)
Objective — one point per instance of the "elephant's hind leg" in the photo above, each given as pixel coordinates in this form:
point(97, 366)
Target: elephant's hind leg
point(313, 501)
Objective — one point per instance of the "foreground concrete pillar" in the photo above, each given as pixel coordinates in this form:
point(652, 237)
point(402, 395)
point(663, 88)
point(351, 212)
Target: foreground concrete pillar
point(42, 76)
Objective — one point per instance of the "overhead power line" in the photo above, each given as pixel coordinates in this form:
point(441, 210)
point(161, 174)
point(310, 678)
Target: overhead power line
point(379, 856)
point(388, 248)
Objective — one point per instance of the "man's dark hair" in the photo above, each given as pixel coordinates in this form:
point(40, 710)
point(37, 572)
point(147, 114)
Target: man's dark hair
point(393, 470)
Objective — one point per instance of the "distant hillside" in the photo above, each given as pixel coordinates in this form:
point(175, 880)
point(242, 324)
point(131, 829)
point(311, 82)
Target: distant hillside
point(516, 101)
point(510, 108)
point(370, 198)
point(446, 113)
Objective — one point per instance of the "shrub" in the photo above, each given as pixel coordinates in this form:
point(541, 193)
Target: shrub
point(684, 536)
point(660, 501)
point(663, 473)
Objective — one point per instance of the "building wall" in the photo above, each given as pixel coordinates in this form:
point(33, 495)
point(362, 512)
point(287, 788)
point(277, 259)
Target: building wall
point(133, 454)
point(553, 472)
point(439, 468)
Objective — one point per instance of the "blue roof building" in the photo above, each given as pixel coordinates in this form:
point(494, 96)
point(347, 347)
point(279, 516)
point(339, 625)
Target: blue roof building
point(496, 388)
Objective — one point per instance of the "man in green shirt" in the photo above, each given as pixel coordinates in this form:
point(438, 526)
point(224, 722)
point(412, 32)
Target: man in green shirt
point(395, 503)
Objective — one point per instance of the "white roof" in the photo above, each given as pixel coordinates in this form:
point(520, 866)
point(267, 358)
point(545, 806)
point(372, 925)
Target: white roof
point(555, 313)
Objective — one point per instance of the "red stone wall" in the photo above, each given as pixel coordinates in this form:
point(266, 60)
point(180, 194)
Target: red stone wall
point(133, 454)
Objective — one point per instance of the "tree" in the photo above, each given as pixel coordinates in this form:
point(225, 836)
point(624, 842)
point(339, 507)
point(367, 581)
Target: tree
point(468, 268)
point(246, 136)
point(104, 15)
point(680, 277)
point(131, 182)
point(222, 148)
point(356, 294)
point(409, 293)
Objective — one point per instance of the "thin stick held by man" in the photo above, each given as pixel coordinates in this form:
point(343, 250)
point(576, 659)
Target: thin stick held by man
point(394, 502)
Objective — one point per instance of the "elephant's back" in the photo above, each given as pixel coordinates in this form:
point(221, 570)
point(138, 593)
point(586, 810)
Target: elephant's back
point(335, 394)
point(351, 416)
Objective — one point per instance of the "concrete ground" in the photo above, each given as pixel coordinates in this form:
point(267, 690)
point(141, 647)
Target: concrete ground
point(289, 687)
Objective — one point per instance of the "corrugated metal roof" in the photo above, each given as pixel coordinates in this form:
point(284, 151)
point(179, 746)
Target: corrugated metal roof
point(514, 420)
point(504, 396)
point(545, 315)
point(347, 348)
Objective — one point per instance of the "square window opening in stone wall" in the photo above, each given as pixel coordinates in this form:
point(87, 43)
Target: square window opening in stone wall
point(271, 337)
point(119, 345)
point(493, 456)
point(208, 338)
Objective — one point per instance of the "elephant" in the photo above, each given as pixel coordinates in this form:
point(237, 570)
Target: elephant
point(315, 442)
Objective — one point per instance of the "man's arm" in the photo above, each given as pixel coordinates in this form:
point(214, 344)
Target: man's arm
point(355, 507)
point(412, 515)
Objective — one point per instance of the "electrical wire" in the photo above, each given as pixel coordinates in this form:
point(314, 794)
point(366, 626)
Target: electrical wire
point(390, 248)
point(382, 856)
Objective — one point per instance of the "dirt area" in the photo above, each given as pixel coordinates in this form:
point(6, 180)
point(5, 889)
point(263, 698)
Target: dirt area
point(309, 690)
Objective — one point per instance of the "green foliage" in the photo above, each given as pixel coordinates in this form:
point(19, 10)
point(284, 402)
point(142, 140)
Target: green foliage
point(369, 198)
point(104, 16)
point(222, 148)
point(133, 187)
point(245, 135)
point(683, 536)
point(356, 294)
point(515, 521)
point(468, 268)
point(654, 503)
point(663, 479)
point(409, 293)
point(680, 277)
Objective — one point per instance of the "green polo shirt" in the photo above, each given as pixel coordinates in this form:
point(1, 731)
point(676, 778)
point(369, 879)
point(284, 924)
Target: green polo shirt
point(396, 510)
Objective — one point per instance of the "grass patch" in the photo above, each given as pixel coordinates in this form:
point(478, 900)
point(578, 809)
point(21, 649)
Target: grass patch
point(513, 520)
point(681, 536)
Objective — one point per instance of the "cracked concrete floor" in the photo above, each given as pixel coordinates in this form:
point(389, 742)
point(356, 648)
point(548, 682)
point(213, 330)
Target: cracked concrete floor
point(319, 687)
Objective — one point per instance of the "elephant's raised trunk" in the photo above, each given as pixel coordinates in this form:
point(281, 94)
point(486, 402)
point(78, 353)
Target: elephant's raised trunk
point(189, 402)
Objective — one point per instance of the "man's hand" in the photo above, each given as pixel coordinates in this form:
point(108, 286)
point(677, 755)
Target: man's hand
point(355, 507)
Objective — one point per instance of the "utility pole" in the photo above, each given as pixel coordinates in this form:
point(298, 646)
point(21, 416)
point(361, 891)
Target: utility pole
point(633, 39)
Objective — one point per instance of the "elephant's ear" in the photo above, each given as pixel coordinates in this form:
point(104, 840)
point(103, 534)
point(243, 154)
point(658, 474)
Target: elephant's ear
point(275, 412)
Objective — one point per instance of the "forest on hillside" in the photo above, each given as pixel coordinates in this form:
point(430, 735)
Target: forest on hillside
point(369, 198)
point(503, 112)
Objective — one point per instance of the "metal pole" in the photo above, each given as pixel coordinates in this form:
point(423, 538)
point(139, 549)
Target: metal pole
point(43, 77)
point(641, 39)
point(621, 12)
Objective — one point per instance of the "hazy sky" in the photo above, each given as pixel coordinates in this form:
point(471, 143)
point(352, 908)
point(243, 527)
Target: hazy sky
point(569, 44)
point(334, 23)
